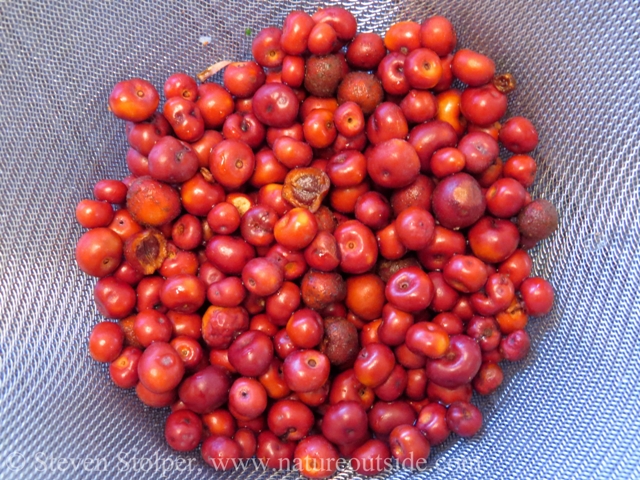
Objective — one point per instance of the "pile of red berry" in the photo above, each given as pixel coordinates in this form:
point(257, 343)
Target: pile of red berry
point(325, 256)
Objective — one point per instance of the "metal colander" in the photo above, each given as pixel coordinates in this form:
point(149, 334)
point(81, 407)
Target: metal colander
point(570, 410)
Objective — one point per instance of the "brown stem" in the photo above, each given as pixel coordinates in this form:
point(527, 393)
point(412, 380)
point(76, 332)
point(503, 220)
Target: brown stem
point(212, 70)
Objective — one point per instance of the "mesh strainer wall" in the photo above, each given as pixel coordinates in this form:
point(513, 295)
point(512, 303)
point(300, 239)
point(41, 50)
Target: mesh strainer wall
point(570, 410)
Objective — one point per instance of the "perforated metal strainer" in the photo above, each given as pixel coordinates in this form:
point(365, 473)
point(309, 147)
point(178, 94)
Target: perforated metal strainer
point(571, 410)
